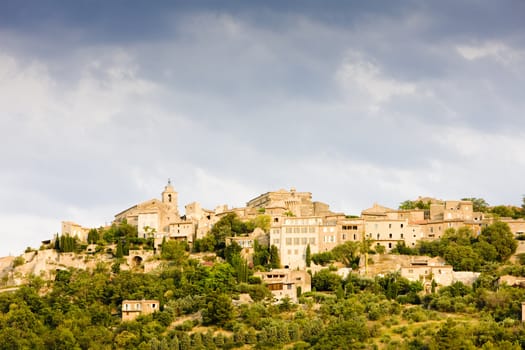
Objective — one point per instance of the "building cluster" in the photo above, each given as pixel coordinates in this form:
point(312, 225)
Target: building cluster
point(298, 223)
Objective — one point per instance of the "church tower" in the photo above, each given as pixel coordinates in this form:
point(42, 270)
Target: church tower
point(170, 197)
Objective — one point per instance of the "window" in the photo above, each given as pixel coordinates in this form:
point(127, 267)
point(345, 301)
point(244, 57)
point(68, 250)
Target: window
point(355, 237)
point(288, 241)
point(401, 225)
point(153, 306)
point(311, 229)
point(389, 225)
point(304, 240)
point(312, 240)
point(378, 236)
point(401, 235)
point(344, 236)
point(389, 245)
point(296, 241)
point(275, 219)
point(389, 235)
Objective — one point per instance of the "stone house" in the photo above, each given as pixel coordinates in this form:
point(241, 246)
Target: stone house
point(286, 283)
point(131, 309)
point(72, 229)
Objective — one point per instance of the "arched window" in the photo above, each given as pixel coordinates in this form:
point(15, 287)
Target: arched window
point(169, 198)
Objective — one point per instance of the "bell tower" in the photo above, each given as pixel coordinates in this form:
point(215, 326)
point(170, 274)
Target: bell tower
point(170, 197)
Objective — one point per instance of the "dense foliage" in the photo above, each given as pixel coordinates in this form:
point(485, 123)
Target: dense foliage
point(80, 310)
point(202, 307)
point(464, 250)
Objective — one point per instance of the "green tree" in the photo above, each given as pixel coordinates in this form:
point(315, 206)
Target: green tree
point(219, 310)
point(275, 260)
point(346, 253)
point(348, 333)
point(228, 226)
point(503, 211)
point(409, 205)
point(174, 251)
point(263, 222)
point(380, 249)
point(325, 280)
point(323, 258)
point(500, 236)
point(261, 254)
point(308, 257)
point(478, 204)
point(93, 236)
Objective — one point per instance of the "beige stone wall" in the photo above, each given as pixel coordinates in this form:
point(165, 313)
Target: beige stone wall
point(350, 230)
point(292, 235)
point(443, 275)
point(517, 226)
point(182, 230)
point(74, 230)
point(284, 282)
point(131, 309)
point(148, 224)
point(387, 232)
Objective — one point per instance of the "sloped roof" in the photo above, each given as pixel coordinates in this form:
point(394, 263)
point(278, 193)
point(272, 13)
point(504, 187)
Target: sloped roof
point(376, 210)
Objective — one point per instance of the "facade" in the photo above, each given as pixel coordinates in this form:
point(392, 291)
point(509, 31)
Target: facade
point(295, 203)
point(292, 235)
point(153, 217)
point(517, 226)
point(161, 219)
point(286, 283)
point(131, 309)
point(72, 229)
point(425, 272)
point(247, 243)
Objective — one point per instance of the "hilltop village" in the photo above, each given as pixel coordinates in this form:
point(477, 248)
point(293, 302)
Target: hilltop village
point(282, 272)
point(292, 224)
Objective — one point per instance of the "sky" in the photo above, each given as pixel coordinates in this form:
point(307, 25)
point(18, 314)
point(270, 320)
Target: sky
point(356, 102)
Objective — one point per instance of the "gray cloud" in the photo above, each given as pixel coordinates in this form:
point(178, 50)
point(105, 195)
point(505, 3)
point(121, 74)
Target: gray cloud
point(355, 102)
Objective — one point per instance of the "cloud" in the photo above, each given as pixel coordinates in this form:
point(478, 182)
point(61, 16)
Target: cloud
point(357, 103)
point(495, 50)
point(364, 78)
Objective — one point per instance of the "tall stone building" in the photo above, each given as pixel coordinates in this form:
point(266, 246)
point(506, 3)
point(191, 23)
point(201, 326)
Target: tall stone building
point(296, 203)
point(153, 216)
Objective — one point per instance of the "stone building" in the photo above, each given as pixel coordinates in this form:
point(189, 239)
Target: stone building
point(72, 229)
point(152, 217)
point(296, 203)
point(292, 235)
point(131, 309)
point(286, 283)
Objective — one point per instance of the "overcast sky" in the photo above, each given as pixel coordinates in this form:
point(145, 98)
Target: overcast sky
point(355, 101)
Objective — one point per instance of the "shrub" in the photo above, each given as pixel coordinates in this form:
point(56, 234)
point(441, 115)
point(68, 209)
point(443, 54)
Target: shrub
point(19, 260)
